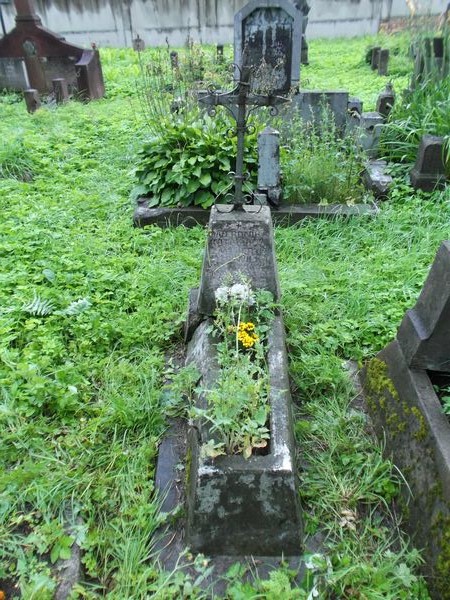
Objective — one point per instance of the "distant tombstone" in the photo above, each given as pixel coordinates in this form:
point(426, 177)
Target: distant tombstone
point(32, 100)
point(60, 90)
point(174, 60)
point(268, 37)
point(138, 44)
point(383, 61)
point(303, 7)
point(370, 131)
point(429, 170)
point(386, 100)
point(311, 106)
point(219, 53)
point(424, 334)
point(375, 57)
point(13, 74)
point(32, 56)
point(239, 244)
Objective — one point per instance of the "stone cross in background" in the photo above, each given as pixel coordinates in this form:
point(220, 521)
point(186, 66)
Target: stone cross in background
point(240, 102)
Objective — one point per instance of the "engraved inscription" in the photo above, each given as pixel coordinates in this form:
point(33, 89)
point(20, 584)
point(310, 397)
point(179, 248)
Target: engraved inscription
point(238, 248)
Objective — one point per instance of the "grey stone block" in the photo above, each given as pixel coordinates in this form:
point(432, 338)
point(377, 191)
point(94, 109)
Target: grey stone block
point(429, 171)
point(310, 104)
point(370, 123)
point(383, 61)
point(240, 244)
point(386, 101)
point(241, 506)
point(375, 178)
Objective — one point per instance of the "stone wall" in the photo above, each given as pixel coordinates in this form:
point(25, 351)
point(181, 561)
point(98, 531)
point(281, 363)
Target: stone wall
point(116, 22)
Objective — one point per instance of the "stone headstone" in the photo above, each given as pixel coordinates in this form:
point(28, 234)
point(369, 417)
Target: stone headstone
point(424, 334)
point(46, 56)
point(268, 37)
point(138, 44)
point(269, 165)
point(429, 171)
point(303, 7)
point(219, 53)
point(383, 61)
point(13, 74)
point(370, 131)
point(311, 104)
point(60, 90)
point(375, 57)
point(239, 245)
point(354, 105)
point(386, 101)
point(32, 100)
point(174, 63)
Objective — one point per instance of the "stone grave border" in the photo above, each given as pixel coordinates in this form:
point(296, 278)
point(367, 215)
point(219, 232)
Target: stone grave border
point(285, 215)
point(407, 415)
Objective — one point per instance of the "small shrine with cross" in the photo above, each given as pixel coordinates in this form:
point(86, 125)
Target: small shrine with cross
point(31, 56)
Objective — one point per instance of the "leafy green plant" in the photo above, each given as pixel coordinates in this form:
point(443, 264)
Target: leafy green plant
point(190, 163)
point(15, 162)
point(237, 407)
point(319, 165)
point(424, 110)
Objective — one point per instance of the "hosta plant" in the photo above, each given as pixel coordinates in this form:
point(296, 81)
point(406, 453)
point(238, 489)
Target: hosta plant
point(190, 164)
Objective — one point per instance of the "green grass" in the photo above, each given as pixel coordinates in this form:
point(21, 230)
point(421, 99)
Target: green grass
point(80, 393)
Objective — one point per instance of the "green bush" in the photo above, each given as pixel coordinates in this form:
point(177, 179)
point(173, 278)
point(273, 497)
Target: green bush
point(319, 166)
point(190, 163)
point(425, 110)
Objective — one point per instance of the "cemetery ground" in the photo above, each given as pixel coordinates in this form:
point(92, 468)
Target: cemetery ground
point(92, 308)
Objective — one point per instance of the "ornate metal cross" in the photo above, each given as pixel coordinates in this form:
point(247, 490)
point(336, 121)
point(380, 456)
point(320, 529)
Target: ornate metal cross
point(240, 102)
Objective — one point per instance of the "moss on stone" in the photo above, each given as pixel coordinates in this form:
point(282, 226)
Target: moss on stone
point(422, 432)
point(441, 529)
point(378, 380)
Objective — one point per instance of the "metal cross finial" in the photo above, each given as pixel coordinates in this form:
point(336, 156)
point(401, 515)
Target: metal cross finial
point(240, 103)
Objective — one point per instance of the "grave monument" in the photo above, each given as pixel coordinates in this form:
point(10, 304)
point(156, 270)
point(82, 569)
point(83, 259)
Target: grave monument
point(236, 505)
point(31, 56)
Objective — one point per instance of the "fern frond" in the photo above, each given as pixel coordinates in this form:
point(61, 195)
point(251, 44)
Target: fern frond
point(75, 308)
point(38, 307)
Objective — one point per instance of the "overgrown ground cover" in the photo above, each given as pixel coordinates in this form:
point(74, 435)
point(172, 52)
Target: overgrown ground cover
point(90, 307)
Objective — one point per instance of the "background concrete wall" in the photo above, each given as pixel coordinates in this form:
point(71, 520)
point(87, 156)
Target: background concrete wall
point(116, 22)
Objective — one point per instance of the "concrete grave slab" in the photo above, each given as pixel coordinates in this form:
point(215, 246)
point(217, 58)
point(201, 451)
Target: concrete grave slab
point(241, 506)
point(285, 215)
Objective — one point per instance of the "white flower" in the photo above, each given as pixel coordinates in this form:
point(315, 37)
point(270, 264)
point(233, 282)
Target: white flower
point(243, 293)
point(221, 294)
